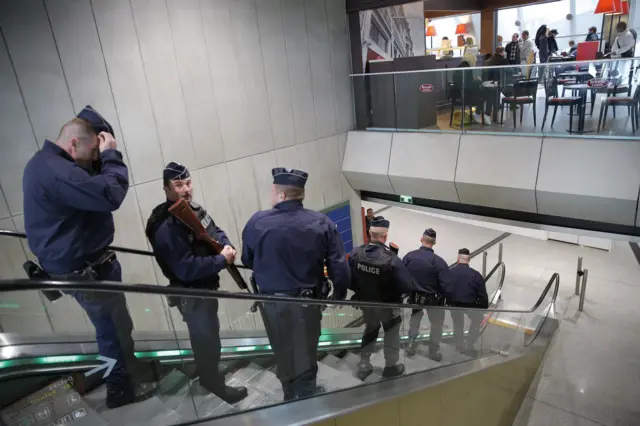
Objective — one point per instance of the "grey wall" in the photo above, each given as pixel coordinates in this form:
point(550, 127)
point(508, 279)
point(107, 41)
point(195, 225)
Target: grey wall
point(588, 179)
point(230, 88)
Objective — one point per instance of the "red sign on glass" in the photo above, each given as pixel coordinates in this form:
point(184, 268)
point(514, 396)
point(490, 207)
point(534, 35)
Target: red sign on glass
point(598, 83)
point(426, 88)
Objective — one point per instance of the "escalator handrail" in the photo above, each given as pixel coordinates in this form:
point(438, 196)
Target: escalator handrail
point(7, 233)
point(498, 291)
point(30, 284)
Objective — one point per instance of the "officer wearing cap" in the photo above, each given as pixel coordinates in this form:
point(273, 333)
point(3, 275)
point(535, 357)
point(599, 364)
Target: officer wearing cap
point(430, 274)
point(188, 262)
point(467, 290)
point(287, 247)
point(378, 275)
point(68, 206)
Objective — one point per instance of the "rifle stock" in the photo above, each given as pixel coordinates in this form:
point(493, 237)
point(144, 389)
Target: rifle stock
point(182, 211)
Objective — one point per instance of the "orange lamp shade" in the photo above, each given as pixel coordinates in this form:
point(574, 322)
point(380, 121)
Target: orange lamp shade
point(461, 29)
point(431, 31)
point(625, 9)
point(609, 6)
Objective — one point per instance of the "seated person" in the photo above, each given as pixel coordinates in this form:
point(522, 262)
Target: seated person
point(573, 49)
point(496, 60)
point(467, 85)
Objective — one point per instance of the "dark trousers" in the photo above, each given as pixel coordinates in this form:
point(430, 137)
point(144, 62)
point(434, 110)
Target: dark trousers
point(390, 321)
point(201, 317)
point(294, 331)
point(458, 326)
point(436, 319)
point(109, 315)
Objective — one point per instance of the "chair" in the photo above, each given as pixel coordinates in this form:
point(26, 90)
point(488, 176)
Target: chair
point(563, 81)
point(552, 99)
point(630, 102)
point(524, 93)
point(619, 87)
point(456, 99)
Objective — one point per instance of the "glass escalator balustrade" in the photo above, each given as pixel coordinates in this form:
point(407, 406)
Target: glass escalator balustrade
point(60, 376)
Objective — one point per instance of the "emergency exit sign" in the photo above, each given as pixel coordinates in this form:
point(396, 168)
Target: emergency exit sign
point(408, 199)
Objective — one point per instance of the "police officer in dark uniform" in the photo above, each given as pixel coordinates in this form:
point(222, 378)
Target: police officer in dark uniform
point(188, 262)
point(378, 275)
point(287, 247)
point(71, 188)
point(467, 290)
point(430, 274)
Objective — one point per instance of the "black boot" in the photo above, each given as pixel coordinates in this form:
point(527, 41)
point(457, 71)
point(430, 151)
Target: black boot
point(412, 347)
point(119, 397)
point(231, 395)
point(393, 371)
point(434, 354)
point(364, 369)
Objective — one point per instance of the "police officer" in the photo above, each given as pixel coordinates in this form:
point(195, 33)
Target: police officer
point(430, 274)
point(378, 275)
point(188, 262)
point(287, 248)
point(467, 290)
point(68, 206)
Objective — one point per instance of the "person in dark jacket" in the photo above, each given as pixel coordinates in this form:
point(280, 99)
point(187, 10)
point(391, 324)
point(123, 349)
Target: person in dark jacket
point(430, 276)
point(378, 275)
point(513, 50)
point(71, 188)
point(467, 290)
point(593, 34)
point(553, 44)
point(542, 43)
point(188, 262)
point(368, 218)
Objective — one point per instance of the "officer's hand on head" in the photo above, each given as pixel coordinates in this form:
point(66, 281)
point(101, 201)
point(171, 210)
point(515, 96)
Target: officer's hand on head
point(229, 254)
point(107, 141)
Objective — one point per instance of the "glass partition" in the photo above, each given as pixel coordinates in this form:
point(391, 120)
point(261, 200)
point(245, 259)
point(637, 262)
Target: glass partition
point(178, 373)
point(564, 98)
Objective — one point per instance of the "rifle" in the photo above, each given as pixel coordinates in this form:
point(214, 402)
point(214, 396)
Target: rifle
point(181, 210)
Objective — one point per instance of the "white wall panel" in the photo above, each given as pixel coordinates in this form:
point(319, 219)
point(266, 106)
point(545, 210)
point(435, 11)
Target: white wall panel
point(287, 157)
point(322, 78)
point(217, 200)
point(341, 64)
point(309, 156)
point(276, 71)
point(33, 52)
point(331, 174)
point(16, 139)
point(368, 152)
point(342, 147)
point(242, 188)
point(129, 85)
point(262, 166)
point(246, 39)
point(299, 70)
point(156, 45)
point(4, 208)
point(77, 40)
point(193, 65)
point(226, 77)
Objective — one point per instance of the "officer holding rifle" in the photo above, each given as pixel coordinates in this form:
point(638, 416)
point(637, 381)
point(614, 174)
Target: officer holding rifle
point(287, 247)
point(189, 262)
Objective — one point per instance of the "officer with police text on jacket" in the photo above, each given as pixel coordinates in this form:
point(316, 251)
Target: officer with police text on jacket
point(287, 247)
point(430, 274)
point(378, 275)
point(188, 262)
point(68, 207)
point(467, 290)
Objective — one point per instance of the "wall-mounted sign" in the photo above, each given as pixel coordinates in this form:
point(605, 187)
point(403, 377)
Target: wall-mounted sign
point(426, 88)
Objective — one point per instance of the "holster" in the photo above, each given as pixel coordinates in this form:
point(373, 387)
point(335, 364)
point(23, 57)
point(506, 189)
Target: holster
point(35, 272)
point(427, 299)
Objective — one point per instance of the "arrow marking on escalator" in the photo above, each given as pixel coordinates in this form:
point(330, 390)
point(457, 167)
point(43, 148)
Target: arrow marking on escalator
point(109, 363)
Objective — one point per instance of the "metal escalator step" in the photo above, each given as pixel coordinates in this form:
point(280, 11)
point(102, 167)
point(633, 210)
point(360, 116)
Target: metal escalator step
point(337, 363)
point(256, 398)
point(266, 381)
point(351, 360)
point(332, 379)
point(417, 362)
point(149, 412)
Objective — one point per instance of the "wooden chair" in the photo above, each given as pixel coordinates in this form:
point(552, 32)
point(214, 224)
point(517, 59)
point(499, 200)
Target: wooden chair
point(552, 99)
point(524, 93)
point(630, 102)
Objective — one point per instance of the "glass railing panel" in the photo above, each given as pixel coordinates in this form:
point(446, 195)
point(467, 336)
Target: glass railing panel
point(593, 99)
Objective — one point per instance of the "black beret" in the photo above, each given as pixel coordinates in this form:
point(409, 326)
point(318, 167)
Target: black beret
point(289, 177)
point(96, 120)
point(175, 171)
point(464, 251)
point(379, 222)
point(429, 233)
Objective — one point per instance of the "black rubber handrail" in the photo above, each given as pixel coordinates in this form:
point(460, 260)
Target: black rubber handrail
point(106, 286)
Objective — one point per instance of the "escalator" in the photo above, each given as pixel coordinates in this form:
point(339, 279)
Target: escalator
point(45, 381)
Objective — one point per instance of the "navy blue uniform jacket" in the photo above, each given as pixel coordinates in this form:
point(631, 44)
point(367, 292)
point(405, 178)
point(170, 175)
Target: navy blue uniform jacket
point(467, 287)
point(401, 278)
point(68, 210)
point(287, 248)
point(429, 271)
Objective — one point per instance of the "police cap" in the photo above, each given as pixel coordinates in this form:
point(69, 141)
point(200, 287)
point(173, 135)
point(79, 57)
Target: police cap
point(379, 224)
point(464, 251)
point(96, 120)
point(429, 233)
point(289, 177)
point(175, 171)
